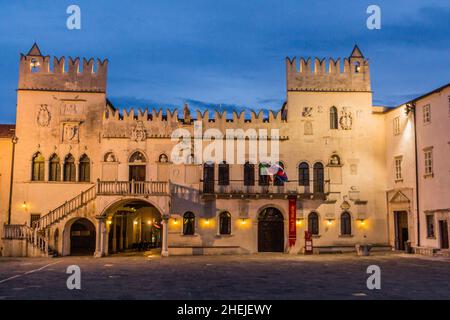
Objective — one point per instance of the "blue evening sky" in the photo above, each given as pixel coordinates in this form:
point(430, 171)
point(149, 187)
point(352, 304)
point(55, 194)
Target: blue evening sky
point(229, 53)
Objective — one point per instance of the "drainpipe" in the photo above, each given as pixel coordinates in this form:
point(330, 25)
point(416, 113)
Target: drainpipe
point(412, 107)
point(14, 142)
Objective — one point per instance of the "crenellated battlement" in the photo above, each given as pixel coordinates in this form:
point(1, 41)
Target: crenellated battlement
point(160, 124)
point(73, 74)
point(316, 74)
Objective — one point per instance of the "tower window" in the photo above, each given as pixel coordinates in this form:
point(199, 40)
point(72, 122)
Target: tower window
point(333, 118)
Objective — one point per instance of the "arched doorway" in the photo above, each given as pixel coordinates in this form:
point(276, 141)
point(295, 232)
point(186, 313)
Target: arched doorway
point(270, 231)
point(133, 225)
point(82, 237)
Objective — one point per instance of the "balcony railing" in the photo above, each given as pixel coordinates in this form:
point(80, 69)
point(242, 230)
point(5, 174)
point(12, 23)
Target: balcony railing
point(238, 187)
point(142, 188)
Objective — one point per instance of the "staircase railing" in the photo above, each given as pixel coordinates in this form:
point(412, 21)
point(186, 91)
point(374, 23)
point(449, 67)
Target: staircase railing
point(66, 208)
point(24, 232)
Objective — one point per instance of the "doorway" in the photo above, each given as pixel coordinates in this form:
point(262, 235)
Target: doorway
point(82, 237)
point(401, 229)
point(270, 231)
point(137, 173)
point(443, 232)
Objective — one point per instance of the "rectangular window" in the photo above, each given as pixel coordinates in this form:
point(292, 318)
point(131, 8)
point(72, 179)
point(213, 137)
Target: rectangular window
point(426, 114)
point(430, 226)
point(396, 125)
point(428, 156)
point(34, 217)
point(398, 168)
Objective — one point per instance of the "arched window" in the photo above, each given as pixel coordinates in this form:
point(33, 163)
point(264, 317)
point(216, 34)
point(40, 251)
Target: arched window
point(277, 181)
point(224, 174)
point(249, 174)
point(109, 157)
point(225, 223)
point(318, 178)
point(84, 170)
point(333, 118)
point(163, 158)
point(69, 168)
point(346, 224)
point(188, 223)
point(357, 67)
point(313, 223)
point(263, 174)
point(137, 157)
point(303, 174)
point(54, 169)
point(37, 168)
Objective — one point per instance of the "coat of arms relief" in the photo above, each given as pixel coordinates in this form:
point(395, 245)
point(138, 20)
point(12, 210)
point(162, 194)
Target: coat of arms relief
point(71, 132)
point(138, 133)
point(43, 116)
point(346, 120)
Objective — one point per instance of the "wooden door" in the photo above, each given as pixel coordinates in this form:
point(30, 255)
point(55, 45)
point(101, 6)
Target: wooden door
point(271, 231)
point(443, 231)
point(137, 173)
point(401, 229)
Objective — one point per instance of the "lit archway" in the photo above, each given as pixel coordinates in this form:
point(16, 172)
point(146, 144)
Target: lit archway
point(133, 225)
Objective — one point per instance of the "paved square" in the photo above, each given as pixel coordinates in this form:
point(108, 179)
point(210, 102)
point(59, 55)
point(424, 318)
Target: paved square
point(260, 276)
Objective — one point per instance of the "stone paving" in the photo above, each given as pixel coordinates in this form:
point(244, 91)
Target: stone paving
point(259, 276)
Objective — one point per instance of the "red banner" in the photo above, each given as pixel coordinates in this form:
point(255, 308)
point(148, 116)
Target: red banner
point(292, 221)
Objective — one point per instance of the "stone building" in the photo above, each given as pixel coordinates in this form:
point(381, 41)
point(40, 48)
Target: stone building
point(91, 179)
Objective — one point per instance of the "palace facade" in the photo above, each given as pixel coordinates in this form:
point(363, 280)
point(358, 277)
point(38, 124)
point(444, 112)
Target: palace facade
point(79, 176)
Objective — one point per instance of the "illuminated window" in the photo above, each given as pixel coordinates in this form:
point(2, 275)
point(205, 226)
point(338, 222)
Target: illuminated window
point(38, 167)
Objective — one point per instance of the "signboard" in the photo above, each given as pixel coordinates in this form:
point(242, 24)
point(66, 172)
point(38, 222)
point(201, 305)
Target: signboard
point(308, 243)
point(292, 221)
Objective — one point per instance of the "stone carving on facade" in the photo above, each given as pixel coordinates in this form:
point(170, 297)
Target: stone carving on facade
point(110, 157)
point(335, 160)
point(163, 158)
point(70, 132)
point(307, 112)
point(44, 116)
point(138, 133)
point(346, 120)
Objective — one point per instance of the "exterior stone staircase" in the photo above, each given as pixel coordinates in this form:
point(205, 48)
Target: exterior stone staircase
point(36, 237)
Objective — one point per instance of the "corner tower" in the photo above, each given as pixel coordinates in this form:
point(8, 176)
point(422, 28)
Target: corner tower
point(35, 73)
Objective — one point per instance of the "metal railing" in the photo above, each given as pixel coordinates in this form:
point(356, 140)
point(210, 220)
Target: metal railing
point(285, 188)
